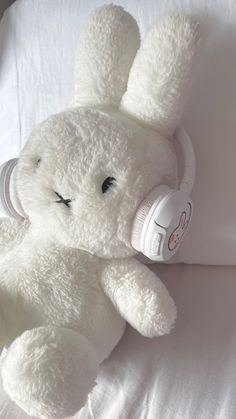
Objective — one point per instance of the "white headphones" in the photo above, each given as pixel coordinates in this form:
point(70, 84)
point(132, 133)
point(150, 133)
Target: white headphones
point(164, 216)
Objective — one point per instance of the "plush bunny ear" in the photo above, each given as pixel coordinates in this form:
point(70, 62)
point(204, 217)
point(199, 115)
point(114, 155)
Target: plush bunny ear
point(161, 74)
point(106, 50)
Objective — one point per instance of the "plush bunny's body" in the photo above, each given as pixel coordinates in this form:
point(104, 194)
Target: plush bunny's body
point(69, 279)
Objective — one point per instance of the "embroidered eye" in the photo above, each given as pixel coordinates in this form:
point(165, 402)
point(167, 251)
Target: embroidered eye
point(38, 162)
point(63, 200)
point(108, 182)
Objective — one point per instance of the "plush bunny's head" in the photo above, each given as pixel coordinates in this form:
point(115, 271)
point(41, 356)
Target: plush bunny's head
point(84, 172)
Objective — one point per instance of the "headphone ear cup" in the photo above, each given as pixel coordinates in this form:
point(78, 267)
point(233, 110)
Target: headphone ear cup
point(10, 205)
point(5, 200)
point(161, 223)
point(16, 203)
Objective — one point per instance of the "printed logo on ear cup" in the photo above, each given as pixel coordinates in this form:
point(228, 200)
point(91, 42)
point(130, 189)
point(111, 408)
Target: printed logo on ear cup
point(178, 233)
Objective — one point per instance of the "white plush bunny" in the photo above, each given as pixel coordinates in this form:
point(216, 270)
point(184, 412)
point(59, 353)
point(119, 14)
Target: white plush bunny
point(69, 279)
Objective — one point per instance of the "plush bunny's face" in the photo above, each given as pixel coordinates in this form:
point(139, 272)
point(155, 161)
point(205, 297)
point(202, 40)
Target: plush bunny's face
point(83, 173)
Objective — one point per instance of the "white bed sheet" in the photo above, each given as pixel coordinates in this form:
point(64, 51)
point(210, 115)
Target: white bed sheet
point(190, 374)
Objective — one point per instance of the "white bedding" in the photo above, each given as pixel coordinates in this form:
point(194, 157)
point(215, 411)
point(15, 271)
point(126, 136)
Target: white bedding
point(190, 374)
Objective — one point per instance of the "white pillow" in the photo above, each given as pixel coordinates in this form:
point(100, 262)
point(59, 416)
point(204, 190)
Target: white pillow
point(38, 41)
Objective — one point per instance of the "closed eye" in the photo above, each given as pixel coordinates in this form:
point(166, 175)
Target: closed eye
point(108, 182)
point(63, 200)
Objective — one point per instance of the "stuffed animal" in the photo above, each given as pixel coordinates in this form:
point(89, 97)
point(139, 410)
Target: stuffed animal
point(69, 276)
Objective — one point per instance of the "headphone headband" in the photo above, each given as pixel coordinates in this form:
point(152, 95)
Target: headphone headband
point(189, 160)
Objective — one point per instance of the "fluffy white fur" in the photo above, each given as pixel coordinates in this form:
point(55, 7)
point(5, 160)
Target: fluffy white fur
point(65, 364)
point(163, 69)
point(102, 70)
point(68, 275)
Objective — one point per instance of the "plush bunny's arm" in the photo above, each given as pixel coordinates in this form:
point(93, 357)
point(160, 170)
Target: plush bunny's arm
point(12, 231)
point(139, 296)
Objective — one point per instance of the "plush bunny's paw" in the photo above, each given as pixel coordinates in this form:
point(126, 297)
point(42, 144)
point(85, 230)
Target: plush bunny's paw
point(49, 371)
point(155, 313)
point(159, 315)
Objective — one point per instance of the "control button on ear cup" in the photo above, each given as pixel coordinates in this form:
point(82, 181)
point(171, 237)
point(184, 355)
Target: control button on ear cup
point(144, 213)
point(157, 243)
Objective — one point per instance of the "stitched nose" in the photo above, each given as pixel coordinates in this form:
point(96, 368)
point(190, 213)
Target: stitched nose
point(63, 200)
